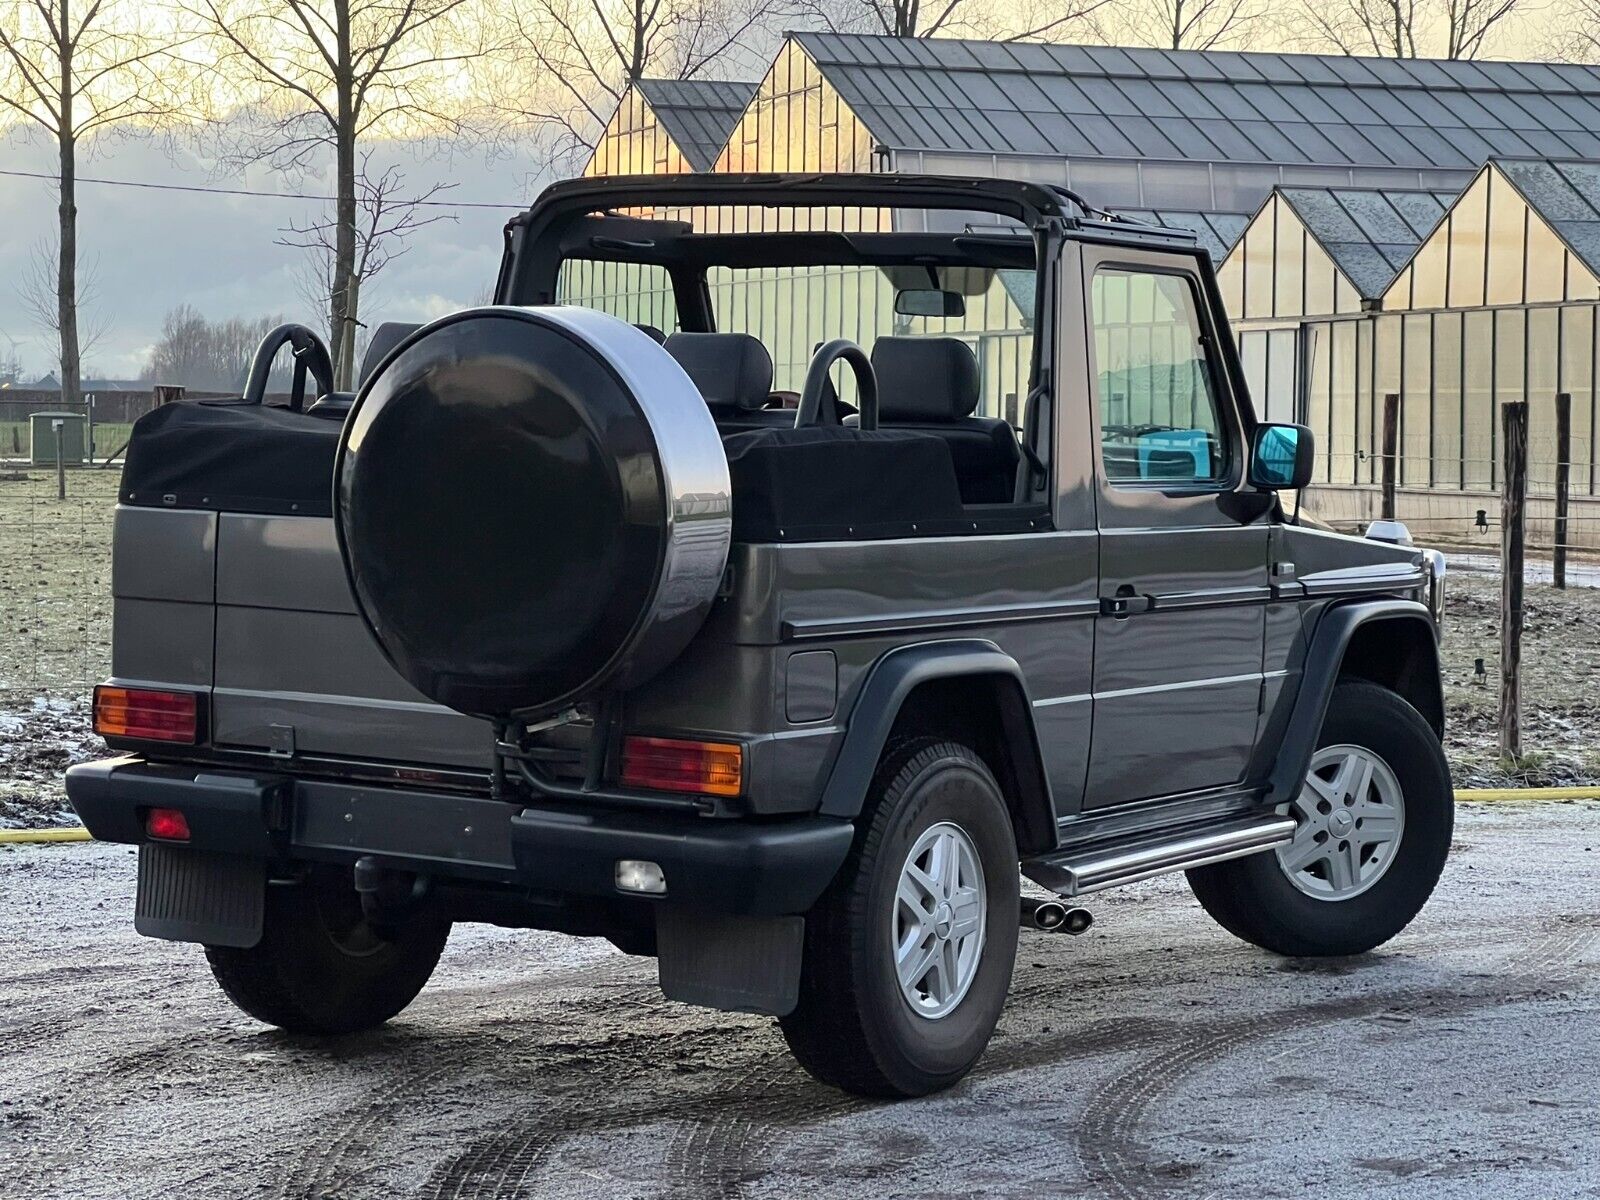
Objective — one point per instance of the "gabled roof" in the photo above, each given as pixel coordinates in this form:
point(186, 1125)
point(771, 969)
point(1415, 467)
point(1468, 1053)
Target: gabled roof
point(697, 114)
point(1565, 194)
point(1216, 231)
point(945, 94)
point(1370, 233)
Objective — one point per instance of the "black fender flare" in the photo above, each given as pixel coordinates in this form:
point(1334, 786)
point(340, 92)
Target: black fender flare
point(893, 678)
point(1323, 664)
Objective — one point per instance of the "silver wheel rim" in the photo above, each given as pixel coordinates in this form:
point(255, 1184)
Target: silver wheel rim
point(1351, 814)
point(940, 915)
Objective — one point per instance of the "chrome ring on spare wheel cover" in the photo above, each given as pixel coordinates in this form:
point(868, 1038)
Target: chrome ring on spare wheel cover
point(1351, 814)
point(939, 920)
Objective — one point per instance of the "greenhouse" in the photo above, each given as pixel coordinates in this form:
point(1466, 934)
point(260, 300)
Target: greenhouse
point(1380, 226)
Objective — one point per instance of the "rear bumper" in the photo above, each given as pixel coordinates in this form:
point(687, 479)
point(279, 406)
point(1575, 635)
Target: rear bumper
point(758, 868)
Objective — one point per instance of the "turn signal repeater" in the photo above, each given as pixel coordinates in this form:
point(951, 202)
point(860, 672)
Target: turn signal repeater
point(146, 714)
point(679, 765)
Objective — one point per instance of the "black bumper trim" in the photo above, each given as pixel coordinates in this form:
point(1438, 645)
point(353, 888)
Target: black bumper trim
point(745, 867)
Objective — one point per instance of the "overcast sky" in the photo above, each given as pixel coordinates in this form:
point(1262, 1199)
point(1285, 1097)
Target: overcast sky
point(151, 250)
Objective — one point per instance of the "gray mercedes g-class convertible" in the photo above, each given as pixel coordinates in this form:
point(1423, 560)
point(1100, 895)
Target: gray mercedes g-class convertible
point(564, 623)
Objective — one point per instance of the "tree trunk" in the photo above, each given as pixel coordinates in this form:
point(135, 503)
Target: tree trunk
point(67, 264)
point(342, 325)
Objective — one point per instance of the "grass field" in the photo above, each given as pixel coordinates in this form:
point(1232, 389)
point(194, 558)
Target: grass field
point(15, 442)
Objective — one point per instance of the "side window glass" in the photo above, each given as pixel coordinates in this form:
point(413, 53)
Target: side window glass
point(638, 293)
point(1159, 421)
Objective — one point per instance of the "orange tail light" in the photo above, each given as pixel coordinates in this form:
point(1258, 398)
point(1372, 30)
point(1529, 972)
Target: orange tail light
point(677, 765)
point(146, 714)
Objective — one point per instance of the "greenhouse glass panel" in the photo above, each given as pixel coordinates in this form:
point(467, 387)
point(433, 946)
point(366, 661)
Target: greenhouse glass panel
point(1365, 405)
point(1544, 362)
point(1546, 268)
point(1577, 379)
point(1341, 443)
point(1479, 433)
point(1319, 276)
point(1428, 275)
point(1289, 266)
point(1467, 231)
point(1447, 400)
point(1280, 403)
point(1507, 243)
point(1416, 402)
point(1317, 350)
point(1258, 272)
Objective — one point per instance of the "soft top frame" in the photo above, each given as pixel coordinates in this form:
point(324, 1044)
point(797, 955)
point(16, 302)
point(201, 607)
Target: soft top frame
point(537, 240)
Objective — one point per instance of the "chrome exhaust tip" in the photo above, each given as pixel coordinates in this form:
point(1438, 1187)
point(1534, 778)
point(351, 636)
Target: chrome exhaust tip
point(1077, 920)
point(1048, 915)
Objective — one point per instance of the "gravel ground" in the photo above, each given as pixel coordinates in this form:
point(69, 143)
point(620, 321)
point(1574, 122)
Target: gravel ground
point(1154, 1057)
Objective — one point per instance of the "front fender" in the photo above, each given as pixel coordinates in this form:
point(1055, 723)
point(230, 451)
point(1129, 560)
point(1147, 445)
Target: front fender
point(1325, 658)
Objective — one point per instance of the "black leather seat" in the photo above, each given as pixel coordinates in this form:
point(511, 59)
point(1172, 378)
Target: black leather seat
point(931, 385)
point(383, 339)
point(734, 373)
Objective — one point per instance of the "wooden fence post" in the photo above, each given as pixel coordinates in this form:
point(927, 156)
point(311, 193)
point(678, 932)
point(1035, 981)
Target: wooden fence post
point(1563, 484)
point(1391, 447)
point(1513, 540)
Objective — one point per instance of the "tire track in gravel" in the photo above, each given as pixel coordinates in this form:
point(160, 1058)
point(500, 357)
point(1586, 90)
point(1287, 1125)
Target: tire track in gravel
point(1110, 1149)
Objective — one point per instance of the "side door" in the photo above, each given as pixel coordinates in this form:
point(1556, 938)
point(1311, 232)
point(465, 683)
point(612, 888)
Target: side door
point(1183, 540)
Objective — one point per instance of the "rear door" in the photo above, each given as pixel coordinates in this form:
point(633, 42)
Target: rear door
point(1183, 545)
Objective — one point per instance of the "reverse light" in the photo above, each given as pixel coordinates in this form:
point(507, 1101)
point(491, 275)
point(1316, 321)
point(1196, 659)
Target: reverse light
point(638, 875)
point(678, 765)
point(167, 825)
point(146, 714)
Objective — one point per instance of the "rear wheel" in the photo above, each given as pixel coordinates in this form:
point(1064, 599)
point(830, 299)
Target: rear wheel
point(321, 966)
point(1373, 826)
point(908, 955)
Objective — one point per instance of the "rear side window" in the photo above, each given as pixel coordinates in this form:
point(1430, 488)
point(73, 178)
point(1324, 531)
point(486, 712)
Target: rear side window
point(638, 293)
point(1159, 419)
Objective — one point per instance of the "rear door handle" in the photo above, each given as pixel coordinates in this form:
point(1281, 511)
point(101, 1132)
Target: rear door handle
point(1126, 602)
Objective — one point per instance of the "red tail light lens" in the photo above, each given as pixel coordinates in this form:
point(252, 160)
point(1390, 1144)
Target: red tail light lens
point(676, 765)
point(167, 824)
point(147, 715)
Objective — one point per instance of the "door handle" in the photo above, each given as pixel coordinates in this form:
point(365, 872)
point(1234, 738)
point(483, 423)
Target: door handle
point(1126, 602)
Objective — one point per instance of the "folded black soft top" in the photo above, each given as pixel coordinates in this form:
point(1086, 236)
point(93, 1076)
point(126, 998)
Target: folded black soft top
point(232, 456)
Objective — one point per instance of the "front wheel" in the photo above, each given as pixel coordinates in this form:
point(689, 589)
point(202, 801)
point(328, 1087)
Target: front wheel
point(1373, 827)
point(321, 967)
point(908, 955)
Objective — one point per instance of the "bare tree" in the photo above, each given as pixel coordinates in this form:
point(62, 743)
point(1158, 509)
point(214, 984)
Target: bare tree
point(1578, 36)
point(1022, 19)
point(331, 74)
point(386, 218)
point(73, 69)
point(208, 355)
point(1408, 28)
point(589, 52)
point(40, 290)
point(1193, 24)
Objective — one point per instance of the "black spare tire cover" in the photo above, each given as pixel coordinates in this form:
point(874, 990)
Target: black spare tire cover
point(533, 507)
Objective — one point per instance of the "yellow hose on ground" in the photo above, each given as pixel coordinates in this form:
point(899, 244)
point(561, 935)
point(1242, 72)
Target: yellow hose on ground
point(73, 833)
point(78, 833)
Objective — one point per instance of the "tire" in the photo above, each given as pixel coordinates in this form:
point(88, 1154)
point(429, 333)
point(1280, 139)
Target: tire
point(1347, 903)
point(855, 1028)
point(321, 968)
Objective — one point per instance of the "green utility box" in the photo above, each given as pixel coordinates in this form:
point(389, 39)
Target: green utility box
point(42, 433)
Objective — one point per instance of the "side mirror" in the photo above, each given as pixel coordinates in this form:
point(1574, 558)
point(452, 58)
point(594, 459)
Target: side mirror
point(929, 302)
point(1281, 457)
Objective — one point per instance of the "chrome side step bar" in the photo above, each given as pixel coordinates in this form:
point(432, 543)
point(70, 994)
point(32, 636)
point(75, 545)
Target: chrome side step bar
point(1093, 868)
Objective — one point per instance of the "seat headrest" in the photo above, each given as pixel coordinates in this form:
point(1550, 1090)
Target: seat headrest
point(384, 339)
point(925, 378)
point(653, 333)
point(732, 370)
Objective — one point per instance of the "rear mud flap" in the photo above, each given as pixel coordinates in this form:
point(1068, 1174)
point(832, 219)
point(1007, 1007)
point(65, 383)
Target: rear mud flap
point(193, 896)
point(736, 964)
